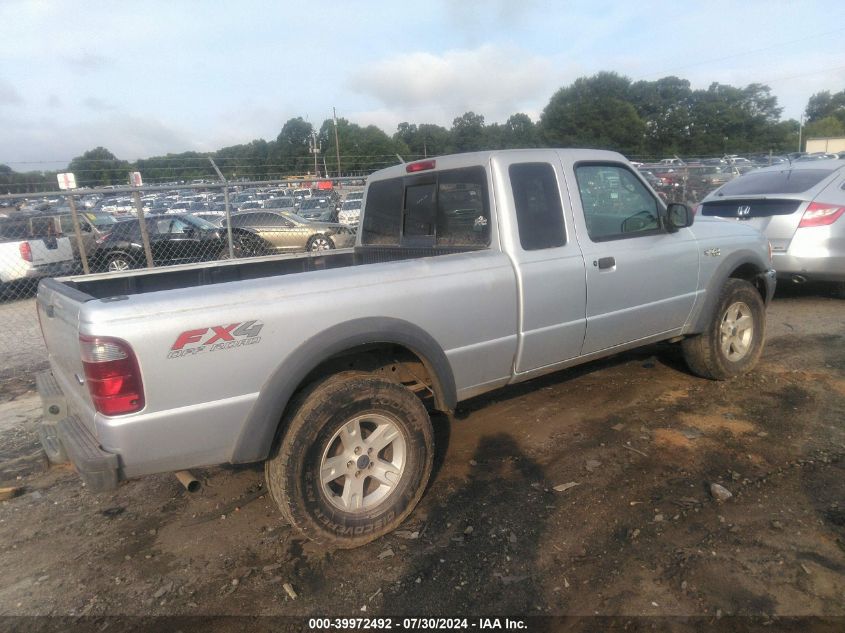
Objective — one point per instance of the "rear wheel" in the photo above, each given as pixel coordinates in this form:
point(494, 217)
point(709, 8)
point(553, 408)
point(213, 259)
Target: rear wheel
point(733, 341)
point(353, 459)
point(119, 262)
point(319, 243)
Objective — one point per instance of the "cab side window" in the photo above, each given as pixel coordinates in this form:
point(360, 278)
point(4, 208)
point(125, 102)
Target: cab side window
point(616, 203)
point(539, 214)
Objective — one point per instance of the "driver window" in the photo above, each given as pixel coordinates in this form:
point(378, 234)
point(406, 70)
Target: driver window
point(616, 204)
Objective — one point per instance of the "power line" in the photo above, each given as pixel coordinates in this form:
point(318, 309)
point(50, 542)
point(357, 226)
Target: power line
point(743, 53)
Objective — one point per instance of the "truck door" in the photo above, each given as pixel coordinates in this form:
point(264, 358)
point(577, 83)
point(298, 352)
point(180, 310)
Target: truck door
point(641, 279)
point(539, 238)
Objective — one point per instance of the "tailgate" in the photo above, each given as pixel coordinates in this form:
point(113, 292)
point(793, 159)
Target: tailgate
point(777, 219)
point(58, 311)
point(50, 250)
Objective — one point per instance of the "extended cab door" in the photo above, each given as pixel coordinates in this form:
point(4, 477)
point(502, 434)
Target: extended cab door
point(538, 235)
point(641, 279)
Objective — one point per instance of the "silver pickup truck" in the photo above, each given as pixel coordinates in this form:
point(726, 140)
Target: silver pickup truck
point(470, 272)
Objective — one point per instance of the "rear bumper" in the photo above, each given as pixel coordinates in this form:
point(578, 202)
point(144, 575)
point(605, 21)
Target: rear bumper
point(816, 253)
point(816, 268)
point(65, 438)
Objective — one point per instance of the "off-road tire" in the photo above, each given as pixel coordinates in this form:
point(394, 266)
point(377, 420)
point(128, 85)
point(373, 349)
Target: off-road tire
point(294, 467)
point(704, 353)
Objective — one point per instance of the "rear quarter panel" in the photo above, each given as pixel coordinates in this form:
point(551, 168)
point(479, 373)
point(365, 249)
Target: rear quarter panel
point(199, 397)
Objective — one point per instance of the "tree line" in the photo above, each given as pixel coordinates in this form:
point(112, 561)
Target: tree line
point(642, 119)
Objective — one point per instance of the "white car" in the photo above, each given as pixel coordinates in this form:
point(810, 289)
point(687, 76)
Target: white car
point(350, 212)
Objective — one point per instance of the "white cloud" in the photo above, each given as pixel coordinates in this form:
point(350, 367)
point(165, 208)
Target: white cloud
point(495, 81)
point(97, 105)
point(8, 94)
point(87, 62)
point(54, 141)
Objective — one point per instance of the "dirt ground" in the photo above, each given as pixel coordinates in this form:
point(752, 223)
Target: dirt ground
point(639, 535)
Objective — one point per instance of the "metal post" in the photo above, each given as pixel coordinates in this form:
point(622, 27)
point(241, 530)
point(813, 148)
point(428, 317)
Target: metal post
point(145, 237)
point(228, 209)
point(800, 130)
point(336, 143)
point(77, 229)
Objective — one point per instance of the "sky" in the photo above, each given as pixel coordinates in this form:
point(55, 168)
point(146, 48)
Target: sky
point(150, 77)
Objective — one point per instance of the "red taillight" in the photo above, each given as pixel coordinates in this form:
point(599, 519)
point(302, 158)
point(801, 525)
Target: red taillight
point(420, 165)
point(821, 214)
point(112, 374)
point(26, 251)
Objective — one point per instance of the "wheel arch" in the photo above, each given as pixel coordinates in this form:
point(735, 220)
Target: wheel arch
point(746, 265)
point(330, 351)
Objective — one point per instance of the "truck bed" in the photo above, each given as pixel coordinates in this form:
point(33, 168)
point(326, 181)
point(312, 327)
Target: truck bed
point(191, 275)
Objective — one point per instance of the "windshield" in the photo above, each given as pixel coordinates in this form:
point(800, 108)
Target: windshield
point(198, 222)
point(100, 219)
point(764, 182)
point(294, 217)
point(351, 205)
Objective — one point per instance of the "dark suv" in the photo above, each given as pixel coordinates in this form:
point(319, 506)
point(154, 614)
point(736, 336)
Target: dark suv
point(174, 239)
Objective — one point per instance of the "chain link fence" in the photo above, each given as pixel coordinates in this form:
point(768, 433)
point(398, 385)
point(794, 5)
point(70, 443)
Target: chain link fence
point(116, 229)
point(112, 230)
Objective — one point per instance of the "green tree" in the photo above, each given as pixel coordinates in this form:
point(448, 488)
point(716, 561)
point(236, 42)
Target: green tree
point(422, 140)
point(823, 104)
point(98, 167)
point(823, 128)
point(468, 132)
point(594, 112)
point(664, 106)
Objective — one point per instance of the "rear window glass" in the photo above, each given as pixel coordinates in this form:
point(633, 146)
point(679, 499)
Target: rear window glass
point(384, 213)
point(447, 208)
point(786, 181)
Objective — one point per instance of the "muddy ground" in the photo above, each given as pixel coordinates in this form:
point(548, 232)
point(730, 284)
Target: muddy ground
point(639, 535)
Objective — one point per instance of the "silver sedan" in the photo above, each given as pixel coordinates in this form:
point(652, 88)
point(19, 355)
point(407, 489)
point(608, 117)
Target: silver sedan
point(799, 208)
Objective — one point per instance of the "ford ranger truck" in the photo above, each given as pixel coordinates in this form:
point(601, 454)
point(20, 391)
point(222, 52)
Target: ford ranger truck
point(469, 273)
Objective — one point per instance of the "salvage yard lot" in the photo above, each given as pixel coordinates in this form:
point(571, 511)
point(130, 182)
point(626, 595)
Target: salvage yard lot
point(640, 533)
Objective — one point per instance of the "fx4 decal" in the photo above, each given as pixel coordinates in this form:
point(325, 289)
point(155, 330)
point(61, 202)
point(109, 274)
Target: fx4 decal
point(215, 339)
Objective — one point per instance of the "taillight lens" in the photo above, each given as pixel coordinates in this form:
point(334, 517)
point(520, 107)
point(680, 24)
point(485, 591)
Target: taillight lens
point(112, 375)
point(26, 251)
point(821, 214)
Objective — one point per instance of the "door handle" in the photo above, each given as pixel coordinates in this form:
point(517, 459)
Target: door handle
point(605, 263)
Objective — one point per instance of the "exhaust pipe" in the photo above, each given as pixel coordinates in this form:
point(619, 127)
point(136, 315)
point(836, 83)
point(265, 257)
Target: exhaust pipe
point(187, 479)
point(799, 279)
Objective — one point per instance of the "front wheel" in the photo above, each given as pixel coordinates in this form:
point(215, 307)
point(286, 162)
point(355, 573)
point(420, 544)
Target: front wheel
point(733, 341)
point(353, 459)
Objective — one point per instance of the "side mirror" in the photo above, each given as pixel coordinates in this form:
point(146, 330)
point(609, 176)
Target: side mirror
point(678, 216)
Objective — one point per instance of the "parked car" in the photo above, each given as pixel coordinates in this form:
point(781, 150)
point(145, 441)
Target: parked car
point(174, 239)
point(320, 215)
point(267, 233)
point(285, 203)
point(32, 247)
point(350, 212)
point(798, 207)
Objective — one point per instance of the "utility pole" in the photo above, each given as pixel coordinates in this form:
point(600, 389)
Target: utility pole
point(314, 150)
point(336, 143)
